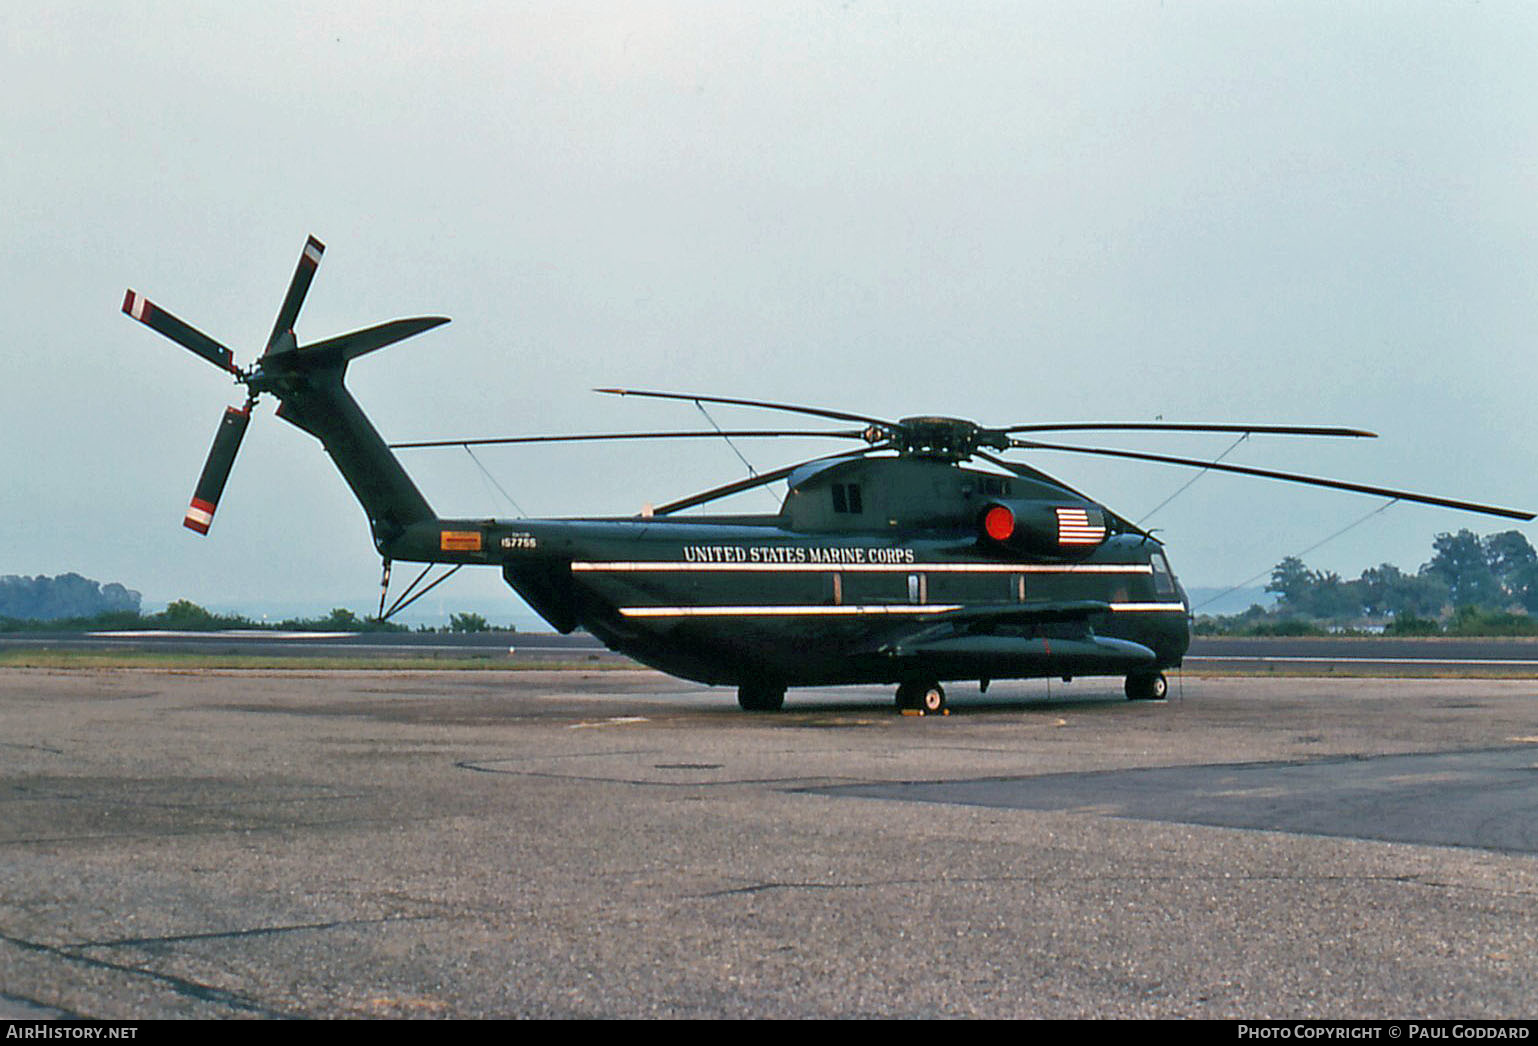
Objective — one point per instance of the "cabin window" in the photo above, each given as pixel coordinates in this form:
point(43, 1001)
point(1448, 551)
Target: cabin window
point(846, 498)
point(994, 486)
point(918, 588)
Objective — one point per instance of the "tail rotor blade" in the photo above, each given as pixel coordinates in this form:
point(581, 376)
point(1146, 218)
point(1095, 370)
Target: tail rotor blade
point(154, 317)
point(216, 470)
point(298, 287)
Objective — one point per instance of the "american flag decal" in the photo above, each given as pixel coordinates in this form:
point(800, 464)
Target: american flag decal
point(1075, 528)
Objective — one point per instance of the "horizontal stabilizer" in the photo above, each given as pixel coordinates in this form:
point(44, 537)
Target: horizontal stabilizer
point(333, 352)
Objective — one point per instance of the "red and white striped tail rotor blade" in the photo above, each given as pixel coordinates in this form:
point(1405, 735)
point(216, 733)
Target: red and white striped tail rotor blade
point(298, 287)
point(187, 336)
point(216, 470)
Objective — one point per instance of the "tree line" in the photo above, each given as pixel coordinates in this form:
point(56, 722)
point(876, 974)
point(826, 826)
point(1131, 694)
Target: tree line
point(70, 602)
point(1471, 583)
point(66, 596)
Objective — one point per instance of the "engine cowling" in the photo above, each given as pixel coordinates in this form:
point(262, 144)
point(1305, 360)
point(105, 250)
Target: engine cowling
point(1043, 528)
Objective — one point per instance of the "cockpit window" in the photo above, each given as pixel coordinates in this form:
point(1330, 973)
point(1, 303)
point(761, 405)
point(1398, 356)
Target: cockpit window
point(1163, 578)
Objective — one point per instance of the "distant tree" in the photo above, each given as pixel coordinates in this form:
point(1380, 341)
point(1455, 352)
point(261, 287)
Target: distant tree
point(1335, 598)
point(1292, 582)
point(1313, 593)
point(1387, 591)
point(1522, 587)
point(467, 622)
point(1378, 586)
point(1508, 552)
point(184, 613)
point(1461, 564)
point(1514, 563)
point(66, 596)
point(341, 620)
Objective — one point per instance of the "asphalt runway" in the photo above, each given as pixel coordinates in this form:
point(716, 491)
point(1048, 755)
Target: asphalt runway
point(493, 645)
point(1500, 657)
point(616, 843)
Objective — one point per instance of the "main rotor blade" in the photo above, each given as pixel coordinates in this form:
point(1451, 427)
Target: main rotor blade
point(1027, 472)
point(298, 287)
point(816, 412)
point(1159, 426)
point(216, 470)
point(155, 318)
point(712, 434)
point(761, 480)
point(1288, 477)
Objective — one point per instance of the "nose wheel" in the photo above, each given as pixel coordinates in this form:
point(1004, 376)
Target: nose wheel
point(921, 698)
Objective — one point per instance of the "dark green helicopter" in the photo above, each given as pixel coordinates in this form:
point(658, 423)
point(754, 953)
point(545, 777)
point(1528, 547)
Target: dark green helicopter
point(894, 562)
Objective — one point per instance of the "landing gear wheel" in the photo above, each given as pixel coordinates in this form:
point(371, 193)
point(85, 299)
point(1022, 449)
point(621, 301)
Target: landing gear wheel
point(924, 698)
point(1149, 686)
point(760, 697)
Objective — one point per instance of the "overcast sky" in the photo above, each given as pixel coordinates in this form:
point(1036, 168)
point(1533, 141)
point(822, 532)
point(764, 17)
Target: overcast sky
point(1016, 212)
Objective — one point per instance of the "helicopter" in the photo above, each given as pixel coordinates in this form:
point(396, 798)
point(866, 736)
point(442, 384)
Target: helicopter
point(895, 561)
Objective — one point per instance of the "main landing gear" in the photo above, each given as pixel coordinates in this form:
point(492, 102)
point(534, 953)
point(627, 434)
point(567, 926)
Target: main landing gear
point(760, 697)
point(923, 698)
point(1147, 686)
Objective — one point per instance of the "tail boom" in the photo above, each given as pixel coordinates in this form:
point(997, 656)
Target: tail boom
point(318, 402)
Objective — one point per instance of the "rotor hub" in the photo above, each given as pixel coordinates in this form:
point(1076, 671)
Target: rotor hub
point(949, 439)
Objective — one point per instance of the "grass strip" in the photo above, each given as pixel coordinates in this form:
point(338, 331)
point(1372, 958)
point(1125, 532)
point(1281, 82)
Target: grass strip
point(68, 659)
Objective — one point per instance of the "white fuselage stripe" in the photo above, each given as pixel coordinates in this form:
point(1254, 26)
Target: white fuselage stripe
point(1267, 658)
point(790, 611)
point(670, 566)
point(850, 610)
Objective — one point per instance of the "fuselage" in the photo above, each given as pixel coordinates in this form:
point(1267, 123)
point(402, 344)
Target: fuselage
point(733, 600)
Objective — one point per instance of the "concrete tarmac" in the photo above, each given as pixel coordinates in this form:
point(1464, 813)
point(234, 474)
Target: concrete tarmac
point(602, 843)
